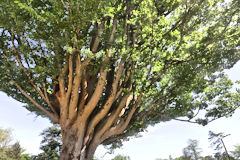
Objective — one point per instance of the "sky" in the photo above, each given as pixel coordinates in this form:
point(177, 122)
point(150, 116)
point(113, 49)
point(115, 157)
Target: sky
point(160, 141)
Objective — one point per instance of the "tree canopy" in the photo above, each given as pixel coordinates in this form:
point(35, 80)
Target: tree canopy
point(105, 70)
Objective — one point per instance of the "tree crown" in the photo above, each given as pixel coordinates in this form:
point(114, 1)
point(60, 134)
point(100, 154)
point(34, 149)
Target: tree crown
point(129, 63)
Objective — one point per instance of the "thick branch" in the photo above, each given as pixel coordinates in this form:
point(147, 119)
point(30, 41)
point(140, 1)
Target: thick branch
point(100, 115)
point(114, 26)
point(70, 77)
point(75, 89)
point(114, 139)
point(120, 127)
point(61, 80)
point(110, 120)
point(84, 94)
point(96, 95)
point(96, 40)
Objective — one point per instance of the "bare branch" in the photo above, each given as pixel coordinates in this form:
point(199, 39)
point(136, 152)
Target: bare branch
point(119, 128)
point(75, 89)
point(101, 114)
point(114, 26)
point(84, 94)
point(47, 100)
point(96, 40)
point(114, 138)
point(70, 76)
point(177, 119)
point(49, 114)
point(61, 80)
point(109, 121)
point(97, 93)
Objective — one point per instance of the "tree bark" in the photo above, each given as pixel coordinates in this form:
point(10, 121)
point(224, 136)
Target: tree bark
point(73, 147)
point(70, 145)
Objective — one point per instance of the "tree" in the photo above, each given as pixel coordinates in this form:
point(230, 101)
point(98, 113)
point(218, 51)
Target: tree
point(179, 158)
point(208, 158)
point(26, 157)
point(217, 142)
point(121, 157)
point(5, 137)
point(192, 151)
point(236, 152)
point(50, 145)
point(9, 151)
point(105, 70)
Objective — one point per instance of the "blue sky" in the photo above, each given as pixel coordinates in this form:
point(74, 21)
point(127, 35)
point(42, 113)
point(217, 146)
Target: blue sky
point(160, 141)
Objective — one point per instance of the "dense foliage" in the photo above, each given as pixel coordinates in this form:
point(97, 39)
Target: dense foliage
point(105, 70)
point(50, 145)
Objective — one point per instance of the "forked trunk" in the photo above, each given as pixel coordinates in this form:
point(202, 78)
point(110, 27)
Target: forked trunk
point(72, 147)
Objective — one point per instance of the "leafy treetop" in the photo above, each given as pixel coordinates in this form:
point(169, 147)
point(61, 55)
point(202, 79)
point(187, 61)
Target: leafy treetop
point(120, 65)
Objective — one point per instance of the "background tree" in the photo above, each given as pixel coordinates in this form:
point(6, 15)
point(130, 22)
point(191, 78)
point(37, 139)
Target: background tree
point(121, 157)
point(10, 150)
point(192, 151)
point(26, 157)
point(179, 158)
point(50, 145)
point(217, 142)
point(236, 152)
point(209, 157)
point(105, 70)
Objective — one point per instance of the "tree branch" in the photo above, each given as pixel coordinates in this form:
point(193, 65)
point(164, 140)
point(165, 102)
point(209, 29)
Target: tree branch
point(96, 40)
point(49, 114)
point(103, 112)
point(97, 93)
point(70, 77)
point(47, 100)
point(75, 89)
point(43, 95)
point(119, 128)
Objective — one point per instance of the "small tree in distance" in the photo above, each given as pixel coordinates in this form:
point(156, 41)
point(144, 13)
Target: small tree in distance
point(121, 157)
point(236, 152)
point(50, 145)
point(217, 142)
point(10, 150)
point(192, 151)
point(105, 70)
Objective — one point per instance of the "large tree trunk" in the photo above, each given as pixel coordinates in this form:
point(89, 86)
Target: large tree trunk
point(73, 148)
point(81, 136)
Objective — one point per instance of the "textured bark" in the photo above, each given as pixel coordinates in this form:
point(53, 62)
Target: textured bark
point(72, 139)
point(73, 147)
